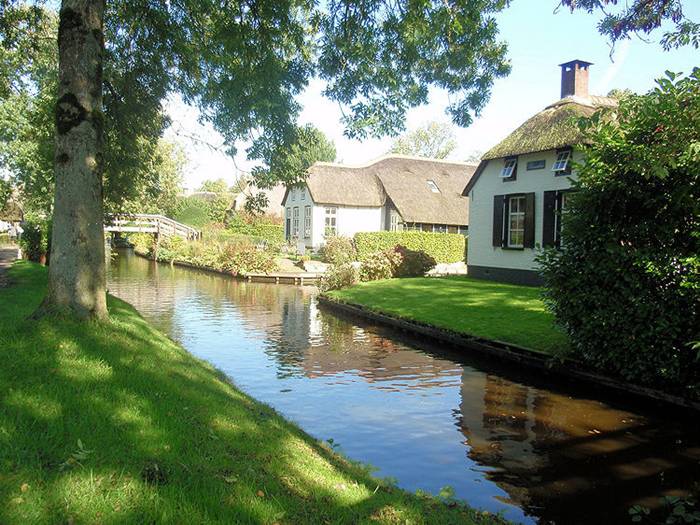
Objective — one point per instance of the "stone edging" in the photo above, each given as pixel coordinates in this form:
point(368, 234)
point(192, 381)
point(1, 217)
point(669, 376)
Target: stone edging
point(507, 352)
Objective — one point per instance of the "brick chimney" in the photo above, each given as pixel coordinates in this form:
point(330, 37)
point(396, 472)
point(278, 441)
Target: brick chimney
point(574, 78)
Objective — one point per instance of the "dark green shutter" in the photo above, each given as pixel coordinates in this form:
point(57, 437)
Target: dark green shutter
point(498, 204)
point(548, 218)
point(529, 234)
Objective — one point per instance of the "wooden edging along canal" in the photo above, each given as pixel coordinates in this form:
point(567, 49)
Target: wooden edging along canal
point(507, 352)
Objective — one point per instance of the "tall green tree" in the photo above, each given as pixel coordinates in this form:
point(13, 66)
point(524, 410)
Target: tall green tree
point(626, 284)
point(242, 64)
point(434, 140)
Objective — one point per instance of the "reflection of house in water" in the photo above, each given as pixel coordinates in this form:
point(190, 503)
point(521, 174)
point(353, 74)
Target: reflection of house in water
point(549, 451)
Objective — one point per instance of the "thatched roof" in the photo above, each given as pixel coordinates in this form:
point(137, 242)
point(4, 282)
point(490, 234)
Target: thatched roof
point(552, 128)
point(403, 180)
point(12, 211)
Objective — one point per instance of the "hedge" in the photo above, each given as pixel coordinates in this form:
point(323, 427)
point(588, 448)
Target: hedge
point(443, 247)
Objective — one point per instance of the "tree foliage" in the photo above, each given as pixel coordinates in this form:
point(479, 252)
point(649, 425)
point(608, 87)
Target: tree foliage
point(642, 16)
point(433, 140)
point(626, 284)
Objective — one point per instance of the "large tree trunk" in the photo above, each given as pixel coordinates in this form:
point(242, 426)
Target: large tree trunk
point(77, 270)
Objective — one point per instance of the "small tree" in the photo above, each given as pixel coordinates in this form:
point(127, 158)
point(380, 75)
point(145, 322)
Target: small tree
point(434, 140)
point(626, 283)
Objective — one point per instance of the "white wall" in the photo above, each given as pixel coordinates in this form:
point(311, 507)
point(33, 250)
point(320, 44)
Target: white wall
point(480, 251)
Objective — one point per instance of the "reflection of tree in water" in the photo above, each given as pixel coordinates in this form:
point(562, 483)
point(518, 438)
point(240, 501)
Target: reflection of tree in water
point(573, 460)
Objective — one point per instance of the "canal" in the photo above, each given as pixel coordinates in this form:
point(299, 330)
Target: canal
point(501, 438)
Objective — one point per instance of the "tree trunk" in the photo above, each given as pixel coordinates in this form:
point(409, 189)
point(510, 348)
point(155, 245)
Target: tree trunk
point(77, 283)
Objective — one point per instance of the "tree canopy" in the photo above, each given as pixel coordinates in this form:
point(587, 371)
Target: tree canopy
point(434, 140)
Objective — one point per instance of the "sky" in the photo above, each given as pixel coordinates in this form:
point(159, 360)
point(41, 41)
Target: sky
point(538, 40)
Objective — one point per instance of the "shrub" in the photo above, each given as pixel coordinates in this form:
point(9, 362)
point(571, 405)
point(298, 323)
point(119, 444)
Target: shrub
point(626, 284)
point(242, 259)
point(142, 243)
point(412, 263)
point(379, 265)
point(35, 239)
point(338, 250)
point(443, 247)
point(339, 276)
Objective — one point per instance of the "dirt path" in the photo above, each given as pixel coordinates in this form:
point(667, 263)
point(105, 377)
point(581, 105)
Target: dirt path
point(8, 254)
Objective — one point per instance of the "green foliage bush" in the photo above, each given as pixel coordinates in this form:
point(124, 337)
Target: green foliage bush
point(35, 239)
point(198, 212)
point(233, 256)
point(339, 276)
point(626, 284)
point(338, 250)
point(261, 228)
point(379, 265)
point(443, 247)
point(412, 263)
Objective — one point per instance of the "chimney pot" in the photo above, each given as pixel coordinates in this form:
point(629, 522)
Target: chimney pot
point(574, 78)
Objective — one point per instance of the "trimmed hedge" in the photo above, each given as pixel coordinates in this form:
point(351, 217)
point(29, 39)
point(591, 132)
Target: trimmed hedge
point(443, 247)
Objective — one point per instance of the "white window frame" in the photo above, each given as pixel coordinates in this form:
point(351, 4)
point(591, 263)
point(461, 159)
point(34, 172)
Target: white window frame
point(562, 162)
point(519, 215)
point(331, 221)
point(509, 166)
point(560, 208)
point(307, 221)
point(433, 186)
point(295, 222)
point(439, 228)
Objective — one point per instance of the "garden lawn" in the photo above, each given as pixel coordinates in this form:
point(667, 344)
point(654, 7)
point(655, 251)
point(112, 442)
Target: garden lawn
point(114, 423)
point(503, 312)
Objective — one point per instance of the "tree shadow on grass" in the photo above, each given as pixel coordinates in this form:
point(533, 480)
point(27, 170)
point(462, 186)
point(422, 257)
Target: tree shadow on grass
point(115, 423)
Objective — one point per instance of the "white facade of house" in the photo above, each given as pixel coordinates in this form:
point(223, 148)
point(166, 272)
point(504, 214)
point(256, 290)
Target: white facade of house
point(482, 255)
point(309, 221)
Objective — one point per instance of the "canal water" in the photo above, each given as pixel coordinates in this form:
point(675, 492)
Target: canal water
point(503, 439)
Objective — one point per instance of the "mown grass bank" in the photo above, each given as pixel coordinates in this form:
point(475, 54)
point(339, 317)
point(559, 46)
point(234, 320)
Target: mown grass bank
point(114, 423)
point(502, 312)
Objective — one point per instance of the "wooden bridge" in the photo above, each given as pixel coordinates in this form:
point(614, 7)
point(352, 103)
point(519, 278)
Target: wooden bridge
point(148, 223)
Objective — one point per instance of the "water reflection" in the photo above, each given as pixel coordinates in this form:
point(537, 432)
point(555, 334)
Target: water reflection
point(504, 440)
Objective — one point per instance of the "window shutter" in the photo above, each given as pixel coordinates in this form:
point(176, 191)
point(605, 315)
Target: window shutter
point(529, 233)
point(548, 219)
point(498, 204)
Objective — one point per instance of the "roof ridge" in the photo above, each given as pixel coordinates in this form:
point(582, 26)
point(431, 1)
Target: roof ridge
point(392, 156)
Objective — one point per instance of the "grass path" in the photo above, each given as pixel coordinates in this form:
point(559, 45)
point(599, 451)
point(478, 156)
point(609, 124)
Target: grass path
point(114, 423)
point(504, 312)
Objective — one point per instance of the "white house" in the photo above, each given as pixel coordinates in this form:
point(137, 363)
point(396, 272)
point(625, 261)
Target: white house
point(519, 189)
point(392, 193)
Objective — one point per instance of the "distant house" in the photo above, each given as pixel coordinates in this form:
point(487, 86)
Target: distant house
point(392, 193)
point(519, 190)
point(274, 197)
point(11, 214)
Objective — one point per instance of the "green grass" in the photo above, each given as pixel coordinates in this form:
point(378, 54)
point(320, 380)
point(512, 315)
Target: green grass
point(503, 312)
point(114, 423)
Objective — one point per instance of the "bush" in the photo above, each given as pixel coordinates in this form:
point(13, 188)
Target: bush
point(412, 263)
point(260, 228)
point(338, 250)
point(142, 243)
point(443, 247)
point(337, 277)
point(35, 239)
point(626, 284)
point(379, 265)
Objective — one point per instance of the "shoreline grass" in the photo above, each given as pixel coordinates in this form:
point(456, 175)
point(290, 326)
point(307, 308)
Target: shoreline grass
point(115, 423)
point(504, 312)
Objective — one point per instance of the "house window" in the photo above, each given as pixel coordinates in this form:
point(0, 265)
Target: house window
point(331, 221)
point(292, 194)
point(535, 165)
point(433, 187)
point(516, 221)
point(510, 168)
point(463, 230)
point(394, 222)
point(307, 222)
point(560, 204)
point(561, 165)
point(295, 222)
point(439, 228)
point(289, 223)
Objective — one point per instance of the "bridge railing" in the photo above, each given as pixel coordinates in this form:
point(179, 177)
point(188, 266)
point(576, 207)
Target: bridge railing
point(150, 223)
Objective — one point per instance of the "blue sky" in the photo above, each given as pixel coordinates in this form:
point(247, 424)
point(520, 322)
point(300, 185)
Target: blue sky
point(538, 39)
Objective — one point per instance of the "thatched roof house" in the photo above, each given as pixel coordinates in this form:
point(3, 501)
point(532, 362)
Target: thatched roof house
point(12, 211)
point(392, 193)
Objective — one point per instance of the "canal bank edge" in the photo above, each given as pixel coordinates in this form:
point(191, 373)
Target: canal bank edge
point(507, 352)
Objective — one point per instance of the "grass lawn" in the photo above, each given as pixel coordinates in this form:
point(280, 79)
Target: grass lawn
point(114, 423)
point(505, 312)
